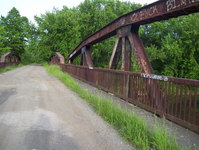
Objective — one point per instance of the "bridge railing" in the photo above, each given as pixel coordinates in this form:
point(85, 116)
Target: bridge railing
point(8, 59)
point(57, 58)
point(178, 99)
point(4, 64)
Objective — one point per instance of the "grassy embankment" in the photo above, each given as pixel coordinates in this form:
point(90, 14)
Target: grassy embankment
point(131, 127)
point(8, 68)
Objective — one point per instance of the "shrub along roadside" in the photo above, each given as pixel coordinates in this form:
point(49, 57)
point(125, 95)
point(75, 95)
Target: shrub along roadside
point(131, 127)
point(8, 68)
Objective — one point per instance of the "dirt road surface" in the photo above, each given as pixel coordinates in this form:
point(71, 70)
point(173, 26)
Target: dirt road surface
point(184, 137)
point(37, 112)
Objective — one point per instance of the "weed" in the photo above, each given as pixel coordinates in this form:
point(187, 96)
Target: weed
point(131, 127)
point(8, 68)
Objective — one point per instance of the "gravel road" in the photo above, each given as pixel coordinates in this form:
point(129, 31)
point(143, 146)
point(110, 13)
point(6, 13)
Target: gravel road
point(183, 136)
point(37, 112)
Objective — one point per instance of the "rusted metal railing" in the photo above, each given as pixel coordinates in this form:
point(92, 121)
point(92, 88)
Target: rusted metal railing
point(57, 58)
point(8, 59)
point(3, 65)
point(178, 99)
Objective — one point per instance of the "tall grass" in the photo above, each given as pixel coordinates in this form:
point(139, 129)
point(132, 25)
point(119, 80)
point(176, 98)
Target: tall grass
point(8, 68)
point(131, 127)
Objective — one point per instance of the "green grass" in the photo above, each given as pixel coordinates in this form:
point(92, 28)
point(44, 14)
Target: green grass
point(10, 68)
point(131, 127)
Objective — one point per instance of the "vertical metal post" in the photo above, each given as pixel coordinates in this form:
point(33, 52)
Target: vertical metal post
point(70, 61)
point(123, 53)
point(114, 57)
point(86, 59)
point(122, 47)
point(89, 61)
point(154, 91)
point(81, 59)
point(15, 59)
point(9, 59)
point(140, 54)
point(126, 54)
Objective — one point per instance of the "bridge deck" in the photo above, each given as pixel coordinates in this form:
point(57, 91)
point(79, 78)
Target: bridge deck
point(183, 136)
point(38, 112)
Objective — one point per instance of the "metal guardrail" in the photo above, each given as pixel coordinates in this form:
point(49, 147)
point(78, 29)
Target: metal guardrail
point(57, 58)
point(3, 65)
point(8, 59)
point(175, 98)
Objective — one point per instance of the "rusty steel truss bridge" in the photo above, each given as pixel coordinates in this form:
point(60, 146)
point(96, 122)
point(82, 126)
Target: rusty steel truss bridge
point(8, 59)
point(175, 98)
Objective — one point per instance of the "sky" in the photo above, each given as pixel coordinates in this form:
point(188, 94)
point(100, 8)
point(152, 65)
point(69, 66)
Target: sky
point(30, 8)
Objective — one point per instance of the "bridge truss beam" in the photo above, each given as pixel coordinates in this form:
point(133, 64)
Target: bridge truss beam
point(157, 11)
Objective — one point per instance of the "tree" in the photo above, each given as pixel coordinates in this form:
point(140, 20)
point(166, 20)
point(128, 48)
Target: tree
point(59, 31)
point(62, 30)
point(173, 46)
point(3, 41)
point(95, 14)
point(15, 32)
point(32, 52)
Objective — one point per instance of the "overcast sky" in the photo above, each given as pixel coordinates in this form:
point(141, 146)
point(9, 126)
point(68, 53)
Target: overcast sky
point(30, 8)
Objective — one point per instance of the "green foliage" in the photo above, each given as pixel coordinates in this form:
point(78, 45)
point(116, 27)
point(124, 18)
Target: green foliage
point(135, 67)
point(95, 14)
point(62, 30)
point(59, 31)
point(3, 48)
point(2, 70)
point(161, 139)
point(131, 127)
point(173, 46)
point(32, 52)
point(15, 33)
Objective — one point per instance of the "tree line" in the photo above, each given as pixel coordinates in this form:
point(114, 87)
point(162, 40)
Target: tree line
point(172, 45)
